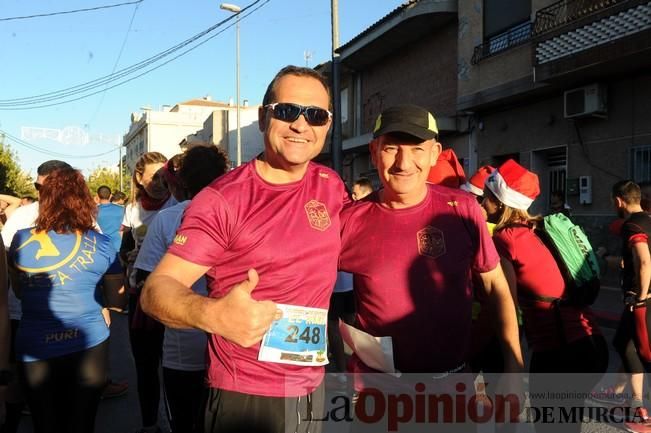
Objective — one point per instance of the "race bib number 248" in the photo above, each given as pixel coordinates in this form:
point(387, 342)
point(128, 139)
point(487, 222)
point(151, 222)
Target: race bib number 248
point(298, 338)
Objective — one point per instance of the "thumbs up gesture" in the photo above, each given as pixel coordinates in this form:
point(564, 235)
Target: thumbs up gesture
point(242, 319)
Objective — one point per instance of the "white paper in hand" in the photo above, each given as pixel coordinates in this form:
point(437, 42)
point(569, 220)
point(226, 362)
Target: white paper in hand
point(375, 352)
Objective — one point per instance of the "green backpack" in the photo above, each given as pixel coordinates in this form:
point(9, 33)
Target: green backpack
point(575, 258)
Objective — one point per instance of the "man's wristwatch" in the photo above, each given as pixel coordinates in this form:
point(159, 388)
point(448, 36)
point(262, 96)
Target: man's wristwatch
point(5, 377)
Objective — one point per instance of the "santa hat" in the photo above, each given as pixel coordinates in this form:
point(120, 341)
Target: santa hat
point(447, 171)
point(476, 183)
point(514, 185)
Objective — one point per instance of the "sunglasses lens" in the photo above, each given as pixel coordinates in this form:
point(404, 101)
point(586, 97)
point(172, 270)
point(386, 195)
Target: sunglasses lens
point(37, 186)
point(287, 112)
point(317, 116)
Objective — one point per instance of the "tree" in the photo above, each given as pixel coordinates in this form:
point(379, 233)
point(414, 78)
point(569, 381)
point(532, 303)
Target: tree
point(13, 180)
point(109, 177)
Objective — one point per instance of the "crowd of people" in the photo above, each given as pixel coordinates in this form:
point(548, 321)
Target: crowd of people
point(227, 277)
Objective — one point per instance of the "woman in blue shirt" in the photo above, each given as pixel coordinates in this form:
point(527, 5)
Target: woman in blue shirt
point(62, 341)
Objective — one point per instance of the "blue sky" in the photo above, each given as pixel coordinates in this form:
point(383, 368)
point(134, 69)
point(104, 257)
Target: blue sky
point(47, 54)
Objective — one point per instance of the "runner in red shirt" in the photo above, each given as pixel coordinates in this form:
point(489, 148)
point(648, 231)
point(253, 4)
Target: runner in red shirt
point(562, 337)
point(412, 247)
point(276, 218)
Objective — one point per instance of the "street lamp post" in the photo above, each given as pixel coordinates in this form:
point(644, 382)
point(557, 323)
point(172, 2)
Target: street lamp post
point(236, 10)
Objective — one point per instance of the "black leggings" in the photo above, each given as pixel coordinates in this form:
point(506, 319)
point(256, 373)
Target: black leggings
point(185, 394)
point(63, 392)
point(146, 347)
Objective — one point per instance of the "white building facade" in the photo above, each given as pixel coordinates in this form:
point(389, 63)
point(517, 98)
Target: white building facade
point(168, 131)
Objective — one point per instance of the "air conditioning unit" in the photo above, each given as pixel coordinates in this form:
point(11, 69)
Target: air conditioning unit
point(585, 101)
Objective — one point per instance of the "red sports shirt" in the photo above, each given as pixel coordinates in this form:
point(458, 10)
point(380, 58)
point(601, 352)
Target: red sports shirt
point(290, 235)
point(413, 274)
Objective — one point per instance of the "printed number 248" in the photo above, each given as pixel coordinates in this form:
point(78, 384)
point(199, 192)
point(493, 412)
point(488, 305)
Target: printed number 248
point(306, 336)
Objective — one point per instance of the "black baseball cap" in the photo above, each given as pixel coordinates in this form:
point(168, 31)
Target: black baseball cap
point(408, 119)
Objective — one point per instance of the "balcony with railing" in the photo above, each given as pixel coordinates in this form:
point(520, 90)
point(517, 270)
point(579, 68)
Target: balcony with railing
point(572, 35)
point(513, 37)
point(564, 12)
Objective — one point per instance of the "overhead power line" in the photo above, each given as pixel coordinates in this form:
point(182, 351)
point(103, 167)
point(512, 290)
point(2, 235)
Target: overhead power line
point(86, 89)
point(51, 14)
point(117, 61)
point(35, 148)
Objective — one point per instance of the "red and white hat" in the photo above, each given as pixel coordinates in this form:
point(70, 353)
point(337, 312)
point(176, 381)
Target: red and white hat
point(447, 171)
point(476, 183)
point(514, 185)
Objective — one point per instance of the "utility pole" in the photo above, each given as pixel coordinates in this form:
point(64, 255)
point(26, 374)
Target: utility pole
point(335, 144)
point(236, 10)
point(120, 165)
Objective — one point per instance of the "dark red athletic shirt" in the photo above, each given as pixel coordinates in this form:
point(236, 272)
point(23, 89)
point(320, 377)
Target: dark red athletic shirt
point(413, 274)
point(290, 235)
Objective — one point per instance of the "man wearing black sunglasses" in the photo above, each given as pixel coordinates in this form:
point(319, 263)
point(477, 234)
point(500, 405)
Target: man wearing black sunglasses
point(275, 220)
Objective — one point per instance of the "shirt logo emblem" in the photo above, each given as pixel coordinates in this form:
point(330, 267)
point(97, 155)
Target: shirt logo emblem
point(317, 215)
point(180, 239)
point(431, 242)
point(46, 247)
point(40, 254)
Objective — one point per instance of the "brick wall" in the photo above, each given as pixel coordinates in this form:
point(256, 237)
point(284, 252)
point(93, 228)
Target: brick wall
point(422, 73)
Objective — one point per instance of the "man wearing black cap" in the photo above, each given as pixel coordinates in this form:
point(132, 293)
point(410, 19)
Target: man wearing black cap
point(414, 284)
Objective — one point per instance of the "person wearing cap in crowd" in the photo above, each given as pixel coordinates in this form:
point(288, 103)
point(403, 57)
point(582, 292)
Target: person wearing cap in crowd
point(412, 246)
point(563, 338)
point(23, 217)
point(274, 221)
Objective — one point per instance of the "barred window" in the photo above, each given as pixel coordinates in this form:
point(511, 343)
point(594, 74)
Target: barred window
point(641, 163)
